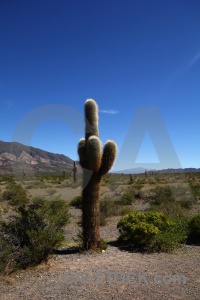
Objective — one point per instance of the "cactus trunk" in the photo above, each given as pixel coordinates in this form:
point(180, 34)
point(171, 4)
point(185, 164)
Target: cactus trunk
point(94, 164)
point(91, 212)
point(74, 172)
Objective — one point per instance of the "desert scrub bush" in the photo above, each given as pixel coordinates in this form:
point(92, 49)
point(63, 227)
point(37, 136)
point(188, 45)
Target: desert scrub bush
point(162, 200)
point(77, 201)
point(15, 194)
point(7, 179)
point(29, 186)
point(183, 194)
point(31, 233)
point(194, 230)
point(151, 181)
point(160, 195)
point(171, 194)
point(127, 198)
point(109, 207)
point(138, 185)
point(160, 180)
point(195, 188)
point(150, 231)
point(172, 210)
point(173, 238)
point(128, 209)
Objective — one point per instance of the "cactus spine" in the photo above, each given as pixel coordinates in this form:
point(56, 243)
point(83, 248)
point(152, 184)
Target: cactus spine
point(95, 163)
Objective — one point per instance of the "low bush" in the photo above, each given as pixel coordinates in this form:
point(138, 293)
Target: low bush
point(15, 194)
point(31, 233)
point(170, 239)
point(77, 202)
point(172, 210)
point(151, 231)
point(162, 200)
point(195, 188)
point(160, 195)
point(108, 208)
point(7, 179)
point(126, 210)
point(127, 198)
point(194, 230)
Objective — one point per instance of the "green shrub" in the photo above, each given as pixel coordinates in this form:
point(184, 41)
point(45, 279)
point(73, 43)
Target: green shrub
point(15, 194)
point(108, 208)
point(113, 207)
point(170, 239)
point(128, 209)
point(7, 179)
point(172, 210)
point(194, 230)
point(162, 200)
point(160, 195)
point(77, 202)
point(195, 188)
point(30, 235)
point(127, 198)
point(150, 231)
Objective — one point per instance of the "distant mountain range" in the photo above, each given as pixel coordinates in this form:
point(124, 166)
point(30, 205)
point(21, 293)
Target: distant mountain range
point(27, 159)
point(20, 159)
point(170, 170)
point(131, 171)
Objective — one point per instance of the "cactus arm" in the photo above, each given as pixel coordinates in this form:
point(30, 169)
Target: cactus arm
point(91, 118)
point(108, 157)
point(93, 153)
point(81, 153)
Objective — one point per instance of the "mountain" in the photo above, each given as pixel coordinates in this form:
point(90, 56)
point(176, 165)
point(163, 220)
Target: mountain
point(142, 170)
point(27, 159)
point(131, 171)
point(184, 170)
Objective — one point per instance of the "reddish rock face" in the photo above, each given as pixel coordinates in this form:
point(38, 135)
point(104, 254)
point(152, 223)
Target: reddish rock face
point(6, 155)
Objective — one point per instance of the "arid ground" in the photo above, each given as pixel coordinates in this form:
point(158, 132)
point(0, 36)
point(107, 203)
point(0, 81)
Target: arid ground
point(118, 272)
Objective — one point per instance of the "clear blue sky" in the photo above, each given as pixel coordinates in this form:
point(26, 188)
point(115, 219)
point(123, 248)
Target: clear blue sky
point(124, 54)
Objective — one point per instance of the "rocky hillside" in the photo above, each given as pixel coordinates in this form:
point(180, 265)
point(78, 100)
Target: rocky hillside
point(15, 155)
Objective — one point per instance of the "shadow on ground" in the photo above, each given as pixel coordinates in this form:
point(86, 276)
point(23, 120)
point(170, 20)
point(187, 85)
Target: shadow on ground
point(122, 247)
point(70, 250)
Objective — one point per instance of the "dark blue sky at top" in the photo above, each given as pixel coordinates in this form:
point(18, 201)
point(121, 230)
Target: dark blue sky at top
point(124, 54)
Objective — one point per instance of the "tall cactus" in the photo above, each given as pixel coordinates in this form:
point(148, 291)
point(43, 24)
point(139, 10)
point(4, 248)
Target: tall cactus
point(74, 172)
point(95, 163)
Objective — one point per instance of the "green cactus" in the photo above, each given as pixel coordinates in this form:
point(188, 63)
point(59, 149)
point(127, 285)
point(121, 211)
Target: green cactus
point(95, 163)
point(74, 172)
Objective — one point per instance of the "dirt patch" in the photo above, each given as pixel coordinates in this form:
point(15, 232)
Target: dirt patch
point(57, 279)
